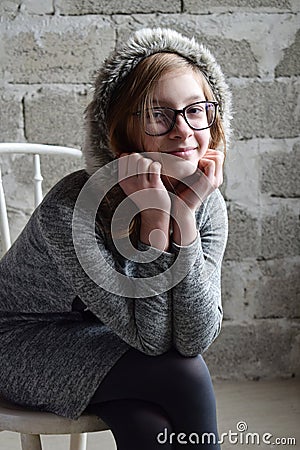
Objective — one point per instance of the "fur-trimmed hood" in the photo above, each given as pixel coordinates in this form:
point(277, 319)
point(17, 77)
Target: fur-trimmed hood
point(117, 66)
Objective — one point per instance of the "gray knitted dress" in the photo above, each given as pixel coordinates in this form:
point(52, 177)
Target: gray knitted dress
point(54, 355)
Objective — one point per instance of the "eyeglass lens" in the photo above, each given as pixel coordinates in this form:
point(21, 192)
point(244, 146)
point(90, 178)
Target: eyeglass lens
point(160, 121)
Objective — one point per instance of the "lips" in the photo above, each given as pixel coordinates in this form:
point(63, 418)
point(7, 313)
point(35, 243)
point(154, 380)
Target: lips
point(183, 152)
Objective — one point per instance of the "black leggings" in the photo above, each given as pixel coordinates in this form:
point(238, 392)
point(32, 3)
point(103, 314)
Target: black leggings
point(158, 402)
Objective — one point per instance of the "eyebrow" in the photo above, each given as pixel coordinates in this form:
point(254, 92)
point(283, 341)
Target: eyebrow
point(188, 100)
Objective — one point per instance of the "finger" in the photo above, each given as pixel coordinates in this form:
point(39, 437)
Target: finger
point(216, 161)
point(155, 172)
point(219, 174)
point(216, 155)
point(143, 167)
point(213, 151)
point(132, 169)
point(208, 166)
point(214, 173)
point(218, 158)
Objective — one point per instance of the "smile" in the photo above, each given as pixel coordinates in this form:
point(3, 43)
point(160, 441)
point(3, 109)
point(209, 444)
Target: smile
point(184, 152)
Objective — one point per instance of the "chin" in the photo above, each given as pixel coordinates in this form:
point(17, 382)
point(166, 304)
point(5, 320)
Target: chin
point(174, 166)
point(178, 168)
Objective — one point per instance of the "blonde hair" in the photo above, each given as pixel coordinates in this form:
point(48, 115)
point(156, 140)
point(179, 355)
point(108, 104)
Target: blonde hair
point(136, 93)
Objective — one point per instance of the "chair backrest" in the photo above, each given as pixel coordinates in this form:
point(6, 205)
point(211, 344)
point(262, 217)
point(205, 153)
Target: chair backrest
point(36, 150)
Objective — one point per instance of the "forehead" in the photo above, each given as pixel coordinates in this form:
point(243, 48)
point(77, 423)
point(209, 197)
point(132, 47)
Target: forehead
point(178, 88)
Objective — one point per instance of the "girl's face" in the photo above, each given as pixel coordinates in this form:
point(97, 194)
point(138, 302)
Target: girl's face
point(183, 146)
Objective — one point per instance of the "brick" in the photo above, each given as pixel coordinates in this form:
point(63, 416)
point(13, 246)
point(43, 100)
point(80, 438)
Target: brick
point(290, 63)
point(280, 233)
point(11, 119)
point(62, 50)
point(202, 6)
point(253, 350)
point(55, 116)
point(37, 6)
point(277, 293)
point(280, 173)
point(235, 56)
point(242, 174)
point(265, 109)
point(240, 284)
point(79, 7)
point(275, 341)
point(230, 355)
point(261, 289)
point(243, 239)
point(8, 8)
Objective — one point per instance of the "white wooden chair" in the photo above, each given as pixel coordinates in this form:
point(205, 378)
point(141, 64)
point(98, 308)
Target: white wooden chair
point(31, 424)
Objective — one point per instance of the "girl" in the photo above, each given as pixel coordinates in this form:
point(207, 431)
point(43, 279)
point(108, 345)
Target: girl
point(112, 292)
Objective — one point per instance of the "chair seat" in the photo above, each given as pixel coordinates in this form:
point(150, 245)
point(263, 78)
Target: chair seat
point(27, 421)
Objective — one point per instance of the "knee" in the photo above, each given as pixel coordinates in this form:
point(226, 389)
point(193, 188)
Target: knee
point(185, 373)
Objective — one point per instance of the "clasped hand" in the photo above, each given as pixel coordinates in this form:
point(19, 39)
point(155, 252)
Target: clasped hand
point(142, 179)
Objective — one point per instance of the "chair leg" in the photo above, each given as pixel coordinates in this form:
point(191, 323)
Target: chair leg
point(78, 441)
point(31, 442)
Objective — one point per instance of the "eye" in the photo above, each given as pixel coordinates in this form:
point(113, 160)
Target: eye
point(154, 114)
point(157, 114)
point(195, 110)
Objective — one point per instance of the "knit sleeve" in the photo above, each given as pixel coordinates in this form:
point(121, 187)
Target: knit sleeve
point(197, 308)
point(143, 323)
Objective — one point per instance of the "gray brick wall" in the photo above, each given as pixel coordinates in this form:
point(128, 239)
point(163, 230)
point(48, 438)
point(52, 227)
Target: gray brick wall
point(49, 52)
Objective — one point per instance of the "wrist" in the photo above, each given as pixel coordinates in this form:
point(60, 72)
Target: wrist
point(152, 215)
point(184, 228)
point(155, 228)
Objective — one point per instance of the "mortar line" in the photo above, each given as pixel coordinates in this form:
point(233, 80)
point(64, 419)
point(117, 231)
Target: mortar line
point(24, 117)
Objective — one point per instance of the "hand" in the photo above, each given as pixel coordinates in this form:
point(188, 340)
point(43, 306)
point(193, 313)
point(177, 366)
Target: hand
point(209, 176)
point(192, 192)
point(212, 166)
point(140, 179)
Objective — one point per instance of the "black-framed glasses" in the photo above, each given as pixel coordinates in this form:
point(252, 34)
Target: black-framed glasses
point(160, 120)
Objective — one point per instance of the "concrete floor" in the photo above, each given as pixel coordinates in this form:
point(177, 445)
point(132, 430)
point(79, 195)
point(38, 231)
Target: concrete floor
point(264, 406)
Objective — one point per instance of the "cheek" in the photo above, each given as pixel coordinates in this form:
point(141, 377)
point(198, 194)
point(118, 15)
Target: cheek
point(150, 144)
point(203, 138)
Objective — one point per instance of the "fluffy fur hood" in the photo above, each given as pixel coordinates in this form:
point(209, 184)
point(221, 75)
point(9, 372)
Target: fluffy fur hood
point(142, 44)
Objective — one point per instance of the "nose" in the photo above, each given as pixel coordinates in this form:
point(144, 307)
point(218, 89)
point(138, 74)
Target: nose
point(181, 129)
